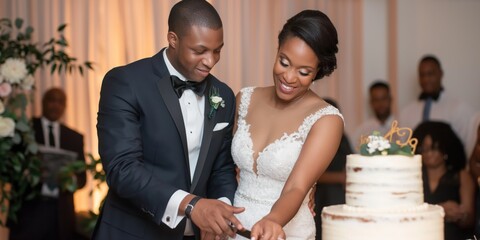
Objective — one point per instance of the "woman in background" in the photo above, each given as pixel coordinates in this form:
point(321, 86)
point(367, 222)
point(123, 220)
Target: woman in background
point(446, 182)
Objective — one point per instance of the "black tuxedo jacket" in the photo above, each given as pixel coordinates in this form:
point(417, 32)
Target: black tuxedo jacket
point(35, 211)
point(143, 146)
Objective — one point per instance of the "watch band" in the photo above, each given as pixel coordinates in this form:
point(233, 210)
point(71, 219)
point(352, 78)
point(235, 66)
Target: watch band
point(191, 205)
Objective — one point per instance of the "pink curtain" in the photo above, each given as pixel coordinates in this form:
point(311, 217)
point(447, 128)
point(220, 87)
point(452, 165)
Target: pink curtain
point(116, 32)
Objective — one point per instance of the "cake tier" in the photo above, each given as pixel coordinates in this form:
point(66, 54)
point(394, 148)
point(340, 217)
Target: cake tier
point(384, 182)
point(424, 222)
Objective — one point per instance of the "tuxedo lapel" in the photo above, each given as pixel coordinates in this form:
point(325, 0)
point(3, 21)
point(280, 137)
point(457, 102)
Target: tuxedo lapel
point(208, 125)
point(173, 106)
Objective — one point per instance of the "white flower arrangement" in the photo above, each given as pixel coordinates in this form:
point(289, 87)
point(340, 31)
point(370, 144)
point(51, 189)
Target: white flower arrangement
point(19, 60)
point(376, 144)
point(14, 70)
point(7, 127)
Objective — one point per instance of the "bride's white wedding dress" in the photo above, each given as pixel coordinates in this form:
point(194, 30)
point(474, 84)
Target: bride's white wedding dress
point(257, 192)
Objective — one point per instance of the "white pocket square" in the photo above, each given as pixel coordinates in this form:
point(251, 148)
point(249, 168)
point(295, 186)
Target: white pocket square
point(220, 126)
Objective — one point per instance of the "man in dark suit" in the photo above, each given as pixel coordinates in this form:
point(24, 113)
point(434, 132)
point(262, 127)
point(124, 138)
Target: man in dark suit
point(165, 140)
point(51, 215)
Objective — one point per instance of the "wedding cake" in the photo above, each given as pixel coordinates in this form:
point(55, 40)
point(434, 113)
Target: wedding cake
point(384, 195)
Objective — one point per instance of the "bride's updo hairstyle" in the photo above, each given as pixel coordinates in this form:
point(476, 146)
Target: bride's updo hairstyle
point(316, 30)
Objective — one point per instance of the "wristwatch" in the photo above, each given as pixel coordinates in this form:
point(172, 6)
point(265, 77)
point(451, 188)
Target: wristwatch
point(190, 205)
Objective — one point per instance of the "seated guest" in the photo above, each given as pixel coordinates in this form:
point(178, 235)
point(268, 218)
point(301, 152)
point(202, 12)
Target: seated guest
point(446, 182)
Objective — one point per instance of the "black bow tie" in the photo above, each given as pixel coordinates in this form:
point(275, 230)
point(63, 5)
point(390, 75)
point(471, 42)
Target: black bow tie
point(179, 86)
point(433, 96)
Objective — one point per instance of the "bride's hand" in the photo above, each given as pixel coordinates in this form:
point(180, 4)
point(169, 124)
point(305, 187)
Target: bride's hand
point(266, 229)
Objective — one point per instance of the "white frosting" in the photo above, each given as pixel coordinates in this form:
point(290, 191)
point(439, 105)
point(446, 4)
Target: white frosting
point(384, 182)
point(384, 200)
point(423, 224)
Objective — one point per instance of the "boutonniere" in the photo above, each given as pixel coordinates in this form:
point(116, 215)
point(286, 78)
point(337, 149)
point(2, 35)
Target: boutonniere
point(215, 101)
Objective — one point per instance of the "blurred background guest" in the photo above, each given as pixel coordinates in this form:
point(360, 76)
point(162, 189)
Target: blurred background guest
point(51, 215)
point(434, 104)
point(381, 106)
point(446, 182)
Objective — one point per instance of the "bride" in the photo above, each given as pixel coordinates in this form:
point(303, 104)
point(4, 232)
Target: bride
point(287, 137)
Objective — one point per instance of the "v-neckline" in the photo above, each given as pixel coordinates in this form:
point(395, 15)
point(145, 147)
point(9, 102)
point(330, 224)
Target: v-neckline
point(252, 155)
point(246, 106)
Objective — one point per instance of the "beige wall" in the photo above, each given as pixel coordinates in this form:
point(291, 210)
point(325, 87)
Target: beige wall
point(450, 30)
point(446, 28)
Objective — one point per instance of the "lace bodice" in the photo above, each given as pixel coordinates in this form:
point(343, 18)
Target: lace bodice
point(259, 191)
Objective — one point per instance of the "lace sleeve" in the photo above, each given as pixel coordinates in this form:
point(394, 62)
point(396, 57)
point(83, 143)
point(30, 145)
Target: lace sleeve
point(244, 102)
point(312, 119)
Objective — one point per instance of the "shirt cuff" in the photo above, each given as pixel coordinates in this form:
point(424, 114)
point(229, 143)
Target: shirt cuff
point(170, 216)
point(225, 200)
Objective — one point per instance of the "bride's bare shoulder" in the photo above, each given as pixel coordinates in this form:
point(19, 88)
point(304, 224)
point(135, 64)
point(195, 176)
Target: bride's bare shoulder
point(261, 92)
point(317, 102)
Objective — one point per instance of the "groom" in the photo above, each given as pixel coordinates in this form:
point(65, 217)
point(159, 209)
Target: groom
point(165, 130)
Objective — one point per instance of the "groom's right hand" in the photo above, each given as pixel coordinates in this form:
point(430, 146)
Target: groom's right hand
point(214, 216)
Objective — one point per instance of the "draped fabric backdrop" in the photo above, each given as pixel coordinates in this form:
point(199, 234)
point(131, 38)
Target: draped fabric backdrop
point(116, 32)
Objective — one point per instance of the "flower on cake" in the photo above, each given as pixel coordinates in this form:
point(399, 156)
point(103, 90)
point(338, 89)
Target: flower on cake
point(390, 144)
point(377, 143)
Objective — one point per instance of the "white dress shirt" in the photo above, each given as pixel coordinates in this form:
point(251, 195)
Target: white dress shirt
point(193, 108)
point(56, 132)
point(447, 109)
point(46, 191)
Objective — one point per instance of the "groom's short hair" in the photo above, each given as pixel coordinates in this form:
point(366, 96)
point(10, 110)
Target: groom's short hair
point(189, 13)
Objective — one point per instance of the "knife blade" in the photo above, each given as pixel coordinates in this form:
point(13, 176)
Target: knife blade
point(244, 232)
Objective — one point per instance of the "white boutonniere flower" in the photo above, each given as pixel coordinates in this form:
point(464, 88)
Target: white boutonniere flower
point(215, 101)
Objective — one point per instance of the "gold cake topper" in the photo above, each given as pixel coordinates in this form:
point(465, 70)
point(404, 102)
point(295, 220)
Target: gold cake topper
point(396, 141)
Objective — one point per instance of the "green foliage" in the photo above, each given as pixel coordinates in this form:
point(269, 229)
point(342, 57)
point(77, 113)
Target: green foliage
point(394, 149)
point(38, 55)
point(94, 167)
point(19, 163)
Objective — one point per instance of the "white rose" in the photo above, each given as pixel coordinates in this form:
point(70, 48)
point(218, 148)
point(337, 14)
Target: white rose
point(7, 127)
point(216, 99)
point(14, 70)
point(28, 82)
point(2, 107)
